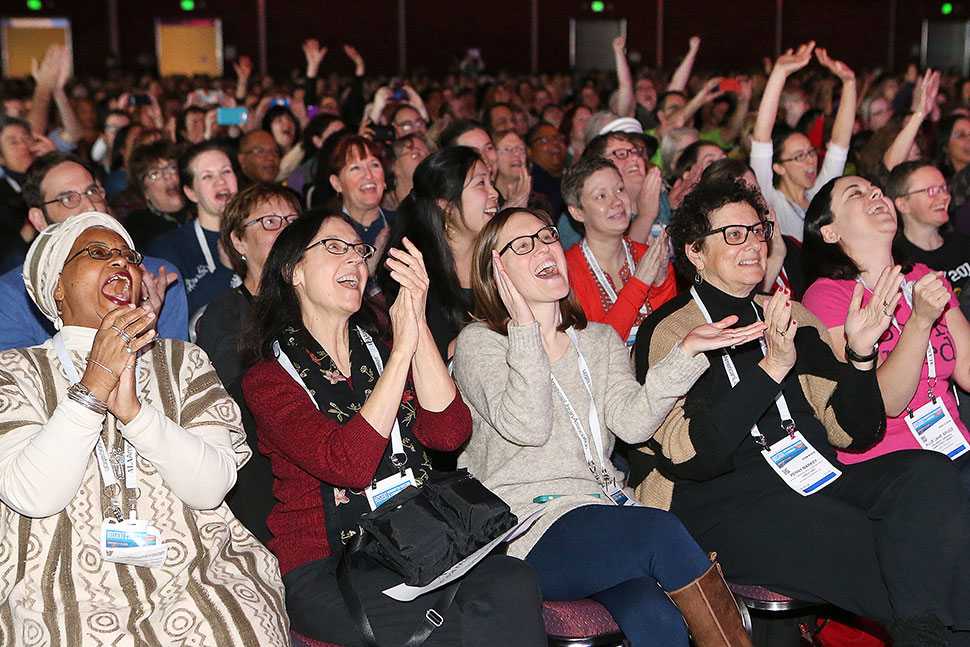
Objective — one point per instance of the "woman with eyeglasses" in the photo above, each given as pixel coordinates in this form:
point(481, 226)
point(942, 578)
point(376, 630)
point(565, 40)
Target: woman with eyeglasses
point(618, 281)
point(250, 225)
point(341, 415)
point(749, 457)
point(785, 162)
point(849, 233)
point(550, 394)
point(512, 179)
point(117, 450)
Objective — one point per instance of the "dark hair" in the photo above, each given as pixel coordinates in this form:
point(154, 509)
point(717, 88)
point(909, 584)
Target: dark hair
point(779, 136)
point(121, 141)
point(439, 177)
point(692, 220)
point(489, 307)
point(186, 176)
point(182, 118)
point(38, 170)
point(688, 156)
point(598, 145)
point(238, 209)
point(399, 147)
point(576, 176)
point(828, 260)
point(943, 133)
point(273, 114)
point(456, 129)
point(317, 126)
point(898, 181)
point(487, 114)
point(143, 159)
point(566, 127)
point(727, 169)
point(662, 99)
point(277, 305)
point(323, 191)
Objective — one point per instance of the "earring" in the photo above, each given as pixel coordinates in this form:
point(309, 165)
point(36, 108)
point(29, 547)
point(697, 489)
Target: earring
point(697, 279)
point(243, 257)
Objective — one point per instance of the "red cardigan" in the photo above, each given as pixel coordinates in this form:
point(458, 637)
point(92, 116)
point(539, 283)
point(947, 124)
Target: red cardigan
point(305, 448)
point(624, 312)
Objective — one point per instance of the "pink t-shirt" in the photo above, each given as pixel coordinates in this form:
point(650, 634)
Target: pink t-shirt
point(829, 300)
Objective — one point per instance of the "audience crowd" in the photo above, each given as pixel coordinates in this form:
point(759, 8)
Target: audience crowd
point(676, 313)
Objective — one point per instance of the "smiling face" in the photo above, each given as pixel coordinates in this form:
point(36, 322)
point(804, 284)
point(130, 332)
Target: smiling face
point(633, 169)
point(284, 131)
point(605, 205)
point(256, 241)
point(328, 285)
point(479, 201)
point(89, 289)
point(511, 155)
point(540, 275)
point(734, 269)
point(360, 182)
point(162, 192)
point(918, 206)
point(259, 158)
point(548, 149)
point(15, 153)
point(580, 119)
point(958, 147)
point(801, 173)
point(861, 216)
point(481, 142)
point(213, 182)
point(407, 121)
point(413, 154)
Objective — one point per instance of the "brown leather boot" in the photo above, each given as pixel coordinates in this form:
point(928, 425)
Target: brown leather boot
point(710, 610)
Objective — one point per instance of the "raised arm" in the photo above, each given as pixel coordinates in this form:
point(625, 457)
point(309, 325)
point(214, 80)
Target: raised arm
point(845, 117)
point(244, 69)
point(788, 63)
point(626, 103)
point(46, 75)
point(682, 74)
point(924, 103)
point(733, 129)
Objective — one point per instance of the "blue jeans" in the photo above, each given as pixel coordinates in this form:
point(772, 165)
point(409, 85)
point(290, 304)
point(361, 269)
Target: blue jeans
point(624, 558)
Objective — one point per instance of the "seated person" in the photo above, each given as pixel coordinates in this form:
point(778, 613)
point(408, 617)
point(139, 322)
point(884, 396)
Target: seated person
point(155, 175)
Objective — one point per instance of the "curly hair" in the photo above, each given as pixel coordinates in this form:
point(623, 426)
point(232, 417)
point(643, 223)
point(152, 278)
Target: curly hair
point(692, 220)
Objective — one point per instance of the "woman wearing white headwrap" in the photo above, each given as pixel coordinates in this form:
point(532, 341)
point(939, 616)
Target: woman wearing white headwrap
point(116, 450)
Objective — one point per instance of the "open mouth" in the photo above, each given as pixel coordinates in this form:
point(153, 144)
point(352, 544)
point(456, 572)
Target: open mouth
point(172, 191)
point(117, 289)
point(224, 196)
point(350, 281)
point(879, 208)
point(751, 262)
point(490, 211)
point(547, 270)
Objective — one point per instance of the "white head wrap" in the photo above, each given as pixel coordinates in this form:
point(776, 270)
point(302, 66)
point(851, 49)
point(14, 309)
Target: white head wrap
point(46, 257)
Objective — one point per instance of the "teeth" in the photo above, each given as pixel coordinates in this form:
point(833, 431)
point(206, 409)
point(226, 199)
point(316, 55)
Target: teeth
point(546, 269)
point(491, 211)
point(350, 280)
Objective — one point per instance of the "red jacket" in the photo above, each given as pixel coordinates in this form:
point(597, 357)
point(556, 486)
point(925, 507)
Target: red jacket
point(305, 448)
point(624, 312)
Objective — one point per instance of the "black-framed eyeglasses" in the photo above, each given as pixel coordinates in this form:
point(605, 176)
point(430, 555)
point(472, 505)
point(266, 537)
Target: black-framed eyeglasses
point(272, 222)
point(101, 252)
point(738, 234)
point(802, 156)
point(523, 245)
point(169, 171)
point(931, 191)
point(72, 199)
point(339, 247)
point(621, 154)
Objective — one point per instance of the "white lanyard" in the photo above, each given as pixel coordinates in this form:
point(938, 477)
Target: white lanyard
point(907, 288)
point(111, 484)
point(13, 184)
point(397, 442)
point(787, 422)
point(602, 476)
point(601, 277)
point(204, 246)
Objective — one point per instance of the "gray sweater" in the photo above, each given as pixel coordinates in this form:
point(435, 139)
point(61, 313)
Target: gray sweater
point(523, 444)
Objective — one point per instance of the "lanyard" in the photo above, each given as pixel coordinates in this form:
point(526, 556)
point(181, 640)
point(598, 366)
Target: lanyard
point(907, 288)
point(602, 476)
point(601, 277)
point(111, 485)
point(398, 457)
point(787, 422)
point(204, 246)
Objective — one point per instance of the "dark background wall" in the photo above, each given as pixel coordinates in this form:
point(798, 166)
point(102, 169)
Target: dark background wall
point(736, 33)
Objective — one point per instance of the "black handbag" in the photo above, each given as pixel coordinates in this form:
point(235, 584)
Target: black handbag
point(423, 531)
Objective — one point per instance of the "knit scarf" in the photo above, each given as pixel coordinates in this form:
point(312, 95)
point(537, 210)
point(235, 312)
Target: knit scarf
point(340, 398)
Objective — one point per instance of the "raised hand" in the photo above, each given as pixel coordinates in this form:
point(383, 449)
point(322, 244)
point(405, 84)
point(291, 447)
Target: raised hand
point(694, 43)
point(407, 268)
point(619, 45)
point(864, 326)
point(838, 68)
point(924, 96)
point(243, 67)
point(779, 336)
point(684, 184)
point(516, 305)
point(404, 324)
point(521, 189)
point(719, 335)
point(930, 297)
point(352, 54)
point(652, 268)
point(314, 55)
point(153, 287)
point(793, 60)
point(123, 332)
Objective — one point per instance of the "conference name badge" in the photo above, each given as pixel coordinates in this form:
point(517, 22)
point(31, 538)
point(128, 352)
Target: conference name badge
point(132, 542)
point(799, 464)
point(934, 429)
point(381, 492)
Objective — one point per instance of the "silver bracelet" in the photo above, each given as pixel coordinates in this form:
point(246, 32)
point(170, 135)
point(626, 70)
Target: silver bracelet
point(83, 396)
point(97, 363)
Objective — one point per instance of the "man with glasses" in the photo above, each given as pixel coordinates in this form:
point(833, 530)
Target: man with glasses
point(546, 148)
point(259, 157)
point(57, 186)
point(154, 172)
